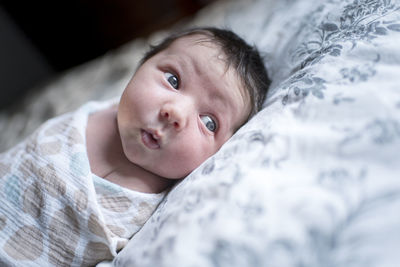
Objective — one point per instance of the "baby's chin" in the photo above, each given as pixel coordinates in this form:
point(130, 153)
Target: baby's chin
point(172, 174)
point(172, 171)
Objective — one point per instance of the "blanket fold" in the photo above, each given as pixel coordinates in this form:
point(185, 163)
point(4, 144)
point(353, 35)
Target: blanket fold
point(54, 210)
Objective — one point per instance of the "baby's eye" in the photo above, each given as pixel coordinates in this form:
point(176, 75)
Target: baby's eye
point(209, 123)
point(172, 79)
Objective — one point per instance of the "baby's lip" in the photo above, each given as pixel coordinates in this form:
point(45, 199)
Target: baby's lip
point(151, 138)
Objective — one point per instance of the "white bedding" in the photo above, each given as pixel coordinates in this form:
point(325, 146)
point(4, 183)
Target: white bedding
point(54, 211)
point(313, 179)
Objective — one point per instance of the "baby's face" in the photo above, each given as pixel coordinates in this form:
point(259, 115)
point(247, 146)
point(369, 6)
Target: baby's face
point(180, 107)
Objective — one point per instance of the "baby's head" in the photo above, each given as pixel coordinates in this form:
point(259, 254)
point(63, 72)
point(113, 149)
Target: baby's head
point(187, 98)
point(243, 58)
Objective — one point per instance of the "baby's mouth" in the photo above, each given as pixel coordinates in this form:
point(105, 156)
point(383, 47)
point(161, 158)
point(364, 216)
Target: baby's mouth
point(150, 140)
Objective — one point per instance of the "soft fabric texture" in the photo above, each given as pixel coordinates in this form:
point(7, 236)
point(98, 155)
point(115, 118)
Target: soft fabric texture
point(54, 211)
point(313, 179)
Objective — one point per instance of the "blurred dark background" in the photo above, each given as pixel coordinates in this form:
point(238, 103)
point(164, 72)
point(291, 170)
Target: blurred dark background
point(39, 39)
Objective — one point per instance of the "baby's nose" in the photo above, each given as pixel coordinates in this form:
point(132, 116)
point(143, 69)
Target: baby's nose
point(174, 116)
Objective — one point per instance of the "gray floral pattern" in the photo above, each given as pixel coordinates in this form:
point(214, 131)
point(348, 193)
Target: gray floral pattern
point(359, 21)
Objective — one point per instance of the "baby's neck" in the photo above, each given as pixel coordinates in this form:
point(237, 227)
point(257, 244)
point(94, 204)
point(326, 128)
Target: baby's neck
point(107, 159)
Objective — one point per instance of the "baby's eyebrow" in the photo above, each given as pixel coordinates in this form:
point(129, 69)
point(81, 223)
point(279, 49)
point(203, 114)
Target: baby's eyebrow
point(216, 96)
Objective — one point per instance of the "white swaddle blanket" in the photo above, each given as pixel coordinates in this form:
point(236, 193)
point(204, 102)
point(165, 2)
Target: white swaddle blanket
point(54, 210)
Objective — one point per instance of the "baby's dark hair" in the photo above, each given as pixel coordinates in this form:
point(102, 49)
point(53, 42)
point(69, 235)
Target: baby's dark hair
point(245, 59)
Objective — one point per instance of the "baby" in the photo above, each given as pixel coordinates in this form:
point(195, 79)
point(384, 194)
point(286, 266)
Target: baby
point(81, 186)
point(189, 96)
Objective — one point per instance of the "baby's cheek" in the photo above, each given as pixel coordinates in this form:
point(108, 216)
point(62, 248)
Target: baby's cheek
point(189, 156)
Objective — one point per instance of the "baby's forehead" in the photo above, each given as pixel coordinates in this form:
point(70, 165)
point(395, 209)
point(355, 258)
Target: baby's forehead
point(205, 52)
point(198, 41)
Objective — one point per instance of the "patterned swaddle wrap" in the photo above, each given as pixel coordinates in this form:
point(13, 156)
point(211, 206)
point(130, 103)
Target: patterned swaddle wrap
point(54, 210)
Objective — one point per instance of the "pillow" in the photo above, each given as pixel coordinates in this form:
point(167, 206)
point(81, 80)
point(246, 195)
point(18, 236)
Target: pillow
point(313, 179)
